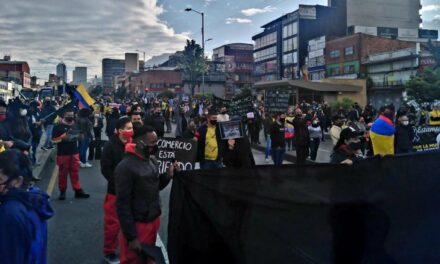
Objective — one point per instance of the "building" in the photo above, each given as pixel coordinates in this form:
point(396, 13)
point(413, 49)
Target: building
point(154, 81)
point(54, 79)
point(397, 19)
point(235, 62)
point(281, 49)
point(62, 71)
point(111, 68)
point(316, 59)
point(131, 62)
point(80, 76)
point(15, 71)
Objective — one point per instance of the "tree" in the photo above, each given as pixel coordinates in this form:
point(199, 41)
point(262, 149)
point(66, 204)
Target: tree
point(167, 94)
point(192, 63)
point(425, 87)
point(346, 103)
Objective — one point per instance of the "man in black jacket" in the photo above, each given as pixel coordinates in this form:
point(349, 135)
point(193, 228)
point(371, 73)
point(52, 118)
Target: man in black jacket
point(137, 194)
point(210, 146)
point(156, 121)
point(278, 140)
point(302, 137)
point(112, 155)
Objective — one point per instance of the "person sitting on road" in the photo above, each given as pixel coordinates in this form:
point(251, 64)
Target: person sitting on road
point(348, 148)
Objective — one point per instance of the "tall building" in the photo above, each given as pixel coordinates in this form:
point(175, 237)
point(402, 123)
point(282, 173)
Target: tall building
point(131, 62)
point(397, 19)
point(62, 71)
point(111, 68)
point(15, 71)
point(281, 49)
point(237, 63)
point(80, 75)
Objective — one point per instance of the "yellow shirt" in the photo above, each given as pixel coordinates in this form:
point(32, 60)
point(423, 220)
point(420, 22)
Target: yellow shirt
point(211, 146)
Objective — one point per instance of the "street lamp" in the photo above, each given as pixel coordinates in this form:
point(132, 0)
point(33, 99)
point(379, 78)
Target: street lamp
point(189, 9)
point(144, 56)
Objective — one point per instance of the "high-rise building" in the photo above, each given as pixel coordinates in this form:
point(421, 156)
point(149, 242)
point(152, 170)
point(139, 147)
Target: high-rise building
point(62, 71)
point(131, 62)
point(80, 75)
point(280, 51)
point(111, 68)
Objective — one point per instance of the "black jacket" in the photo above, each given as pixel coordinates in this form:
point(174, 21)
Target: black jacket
point(112, 155)
point(343, 153)
point(241, 156)
point(201, 136)
point(137, 189)
point(156, 122)
point(302, 135)
point(277, 135)
point(403, 138)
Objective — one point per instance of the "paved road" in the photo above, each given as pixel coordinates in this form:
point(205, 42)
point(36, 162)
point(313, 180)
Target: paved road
point(76, 231)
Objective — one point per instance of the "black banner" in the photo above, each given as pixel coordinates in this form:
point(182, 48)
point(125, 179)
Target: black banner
point(241, 106)
point(184, 151)
point(218, 102)
point(277, 101)
point(425, 137)
point(381, 210)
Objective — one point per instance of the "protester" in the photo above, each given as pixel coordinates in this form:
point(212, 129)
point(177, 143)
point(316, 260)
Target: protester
point(302, 137)
point(23, 216)
point(336, 129)
point(98, 123)
point(237, 152)
point(289, 133)
point(65, 135)
point(136, 119)
point(210, 149)
point(382, 133)
point(434, 115)
point(223, 116)
point(190, 131)
point(85, 136)
point(168, 116)
point(267, 123)
point(137, 192)
point(35, 125)
point(181, 120)
point(278, 140)
point(48, 115)
point(112, 155)
point(315, 138)
point(111, 122)
point(403, 137)
point(156, 121)
point(18, 121)
point(348, 148)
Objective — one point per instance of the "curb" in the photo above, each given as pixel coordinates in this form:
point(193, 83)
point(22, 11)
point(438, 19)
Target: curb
point(45, 159)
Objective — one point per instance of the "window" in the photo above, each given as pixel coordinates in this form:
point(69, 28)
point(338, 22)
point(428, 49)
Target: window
point(290, 30)
point(349, 51)
point(265, 54)
point(266, 40)
point(334, 71)
point(290, 58)
point(334, 54)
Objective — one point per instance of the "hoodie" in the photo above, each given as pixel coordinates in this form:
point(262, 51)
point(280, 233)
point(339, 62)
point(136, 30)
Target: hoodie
point(23, 226)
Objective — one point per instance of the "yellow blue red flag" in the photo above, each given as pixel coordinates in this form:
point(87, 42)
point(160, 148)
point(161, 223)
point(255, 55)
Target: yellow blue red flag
point(83, 96)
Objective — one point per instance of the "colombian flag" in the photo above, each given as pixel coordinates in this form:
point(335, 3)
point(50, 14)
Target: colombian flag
point(382, 136)
point(83, 96)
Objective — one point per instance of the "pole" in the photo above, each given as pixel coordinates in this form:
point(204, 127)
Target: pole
point(203, 52)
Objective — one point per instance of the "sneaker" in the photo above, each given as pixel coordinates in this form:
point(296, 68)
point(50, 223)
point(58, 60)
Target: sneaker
point(82, 165)
point(88, 165)
point(80, 194)
point(267, 160)
point(62, 196)
point(112, 259)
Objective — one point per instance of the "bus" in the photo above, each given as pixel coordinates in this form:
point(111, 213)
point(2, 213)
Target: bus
point(45, 92)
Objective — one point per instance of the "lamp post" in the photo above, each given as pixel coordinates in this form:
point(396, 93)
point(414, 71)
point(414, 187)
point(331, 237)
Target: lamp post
point(189, 9)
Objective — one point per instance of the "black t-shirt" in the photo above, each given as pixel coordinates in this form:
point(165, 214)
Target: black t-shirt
point(68, 146)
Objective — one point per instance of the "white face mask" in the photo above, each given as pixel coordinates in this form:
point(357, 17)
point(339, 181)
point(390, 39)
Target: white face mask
point(405, 123)
point(23, 112)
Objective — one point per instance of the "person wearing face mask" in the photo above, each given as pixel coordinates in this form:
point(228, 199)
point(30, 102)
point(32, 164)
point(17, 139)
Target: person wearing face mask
point(348, 148)
point(48, 115)
point(36, 130)
point(18, 122)
point(65, 135)
point(278, 140)
point(223, 116)
point(336, 129)
point(302, 137)
point(112, 155)
point(315, 138)
point(181, 116)
point(156, 121)
point(23, 216)
point(382, 133)
point(403, 137)
point(138, 184)
point(210, 149)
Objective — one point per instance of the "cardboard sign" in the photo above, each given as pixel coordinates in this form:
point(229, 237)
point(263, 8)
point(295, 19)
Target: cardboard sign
point(425, 137)
point(171, 149)
point(231, 130)
point(277, 101)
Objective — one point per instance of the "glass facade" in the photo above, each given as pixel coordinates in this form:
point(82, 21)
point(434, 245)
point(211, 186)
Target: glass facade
point(265, 54)
point(290, 30)
point(290, 44)
point(266, 40)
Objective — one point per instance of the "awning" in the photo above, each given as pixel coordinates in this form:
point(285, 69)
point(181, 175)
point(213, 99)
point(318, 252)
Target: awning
point(314, 86)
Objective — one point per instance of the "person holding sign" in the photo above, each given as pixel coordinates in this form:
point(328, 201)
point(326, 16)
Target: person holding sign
point(137, 194)
point(210, 149)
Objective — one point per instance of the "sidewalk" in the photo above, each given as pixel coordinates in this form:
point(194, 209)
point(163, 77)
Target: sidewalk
point(324, 151)
point(44, 157)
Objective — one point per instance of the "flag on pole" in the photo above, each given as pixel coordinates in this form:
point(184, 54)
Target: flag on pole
point(83, 96)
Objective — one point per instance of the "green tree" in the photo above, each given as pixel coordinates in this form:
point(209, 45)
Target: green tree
point(167, 94)
point(192, 63)
point(424, 87)
point(346, 103)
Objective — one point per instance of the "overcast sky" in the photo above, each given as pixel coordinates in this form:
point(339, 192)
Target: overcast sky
point(83, 32)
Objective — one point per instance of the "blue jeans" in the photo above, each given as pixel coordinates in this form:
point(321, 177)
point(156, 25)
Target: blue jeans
point(83, 145)
point(278, 156)
point(210, 165)
point(268, 147)
point(49, 129)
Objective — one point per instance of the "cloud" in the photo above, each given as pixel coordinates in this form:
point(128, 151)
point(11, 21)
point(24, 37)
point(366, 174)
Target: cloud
point(237, 20)
point(83, 32)
point(208, 2)
point(256, 11)
point(429, 8)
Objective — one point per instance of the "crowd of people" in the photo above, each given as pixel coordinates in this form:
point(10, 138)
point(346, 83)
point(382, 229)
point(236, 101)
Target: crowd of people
point(128, 162)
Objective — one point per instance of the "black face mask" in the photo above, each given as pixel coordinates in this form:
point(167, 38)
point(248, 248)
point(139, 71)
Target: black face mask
point(355, 146)
point(69, 119)
point(282, 120)
point(213, 122)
